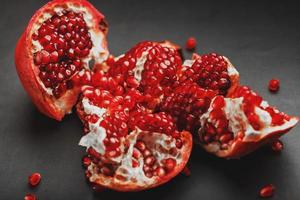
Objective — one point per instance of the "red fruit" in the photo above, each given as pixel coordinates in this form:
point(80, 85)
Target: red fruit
point(30, 197)
point(274, 85)
point(267, 191)
point(277, 146)
point(130, 148)
point(150, 67)
point(186, 105)
point(210, 71)
point(34, 179)
point(191, 43)
point(57, 44)
point(236, 126)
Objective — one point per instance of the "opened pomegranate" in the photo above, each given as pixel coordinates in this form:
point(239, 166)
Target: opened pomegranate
point(62, 39)
point(186, 104)
point(210, 71)
point(129, 147)
point(235, 126)
point(150, 67)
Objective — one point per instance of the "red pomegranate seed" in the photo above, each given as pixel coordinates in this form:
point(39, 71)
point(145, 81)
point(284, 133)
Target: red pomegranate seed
point(277, 146)
point(191, 43)
point(186, 171)
point(267, 191)
point(30, 197)
point(86, 161)
point(170, 164)
point(274, 85)
point(34, 179)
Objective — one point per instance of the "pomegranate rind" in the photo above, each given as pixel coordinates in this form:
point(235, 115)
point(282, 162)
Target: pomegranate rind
point(113, 184)
point(28, 72)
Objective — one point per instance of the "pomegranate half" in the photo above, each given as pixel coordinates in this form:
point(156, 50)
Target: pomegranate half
point(235, 126)
point(62, 40)
point(129, 147)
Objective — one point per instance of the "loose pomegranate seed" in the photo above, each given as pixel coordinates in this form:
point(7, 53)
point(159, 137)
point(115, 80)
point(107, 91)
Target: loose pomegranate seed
point(267, 191)
point(186, 171)
point(191, 43)
point(274, 85)
point(30, 197)
point(277, 146)
point(34, 179)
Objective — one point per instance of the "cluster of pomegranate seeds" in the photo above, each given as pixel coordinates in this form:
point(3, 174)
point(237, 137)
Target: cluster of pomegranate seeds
point(209, 72)
point(159, 122)
point(30, 197)
point(277, 146)
point(34, 179)
point(217, 130)
point(267, 191)
point(252, 100)
point(65, 40)
point(158, 71)
point(186, 104)
point(274, 85)
point(191, 43)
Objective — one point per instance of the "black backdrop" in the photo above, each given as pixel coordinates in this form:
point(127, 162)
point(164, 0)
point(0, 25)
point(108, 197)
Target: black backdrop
point(261, 38)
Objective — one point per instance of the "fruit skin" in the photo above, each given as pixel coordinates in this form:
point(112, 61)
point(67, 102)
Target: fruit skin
point(110, 183)
point(28, 74)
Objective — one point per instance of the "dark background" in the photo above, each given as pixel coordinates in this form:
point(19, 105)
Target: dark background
point(261, 38)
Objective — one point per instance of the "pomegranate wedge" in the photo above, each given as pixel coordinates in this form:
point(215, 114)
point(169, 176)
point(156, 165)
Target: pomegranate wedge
point(235, 126)
point(62, 39)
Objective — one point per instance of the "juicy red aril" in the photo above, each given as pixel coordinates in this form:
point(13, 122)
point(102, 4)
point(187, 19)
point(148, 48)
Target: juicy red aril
point(274, 85)
point(30, 197)
point(191, 43)
point(209, 72)
point(86, 161)
point(59, 58)
point(169, 164)
point(186, 104)
point(277, 146)
point(34, 179)
point(267, 191)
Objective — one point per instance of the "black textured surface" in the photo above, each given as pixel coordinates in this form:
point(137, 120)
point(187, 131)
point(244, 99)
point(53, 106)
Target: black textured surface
point(261, 38)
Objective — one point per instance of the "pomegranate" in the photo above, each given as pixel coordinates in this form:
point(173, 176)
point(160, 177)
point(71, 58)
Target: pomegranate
point(30, 197)
point(62, 39)
point(34, 179)
point(267, 191)
point(274, 85)
point(210, 71)
point(235, 126)
point(186, 104)
point(191, 43)
point(150, 67)
point(129, 147)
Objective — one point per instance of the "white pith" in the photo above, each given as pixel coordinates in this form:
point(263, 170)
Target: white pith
point(238, 122)
point(98, 52)
point(139, 67)
point(156, 142)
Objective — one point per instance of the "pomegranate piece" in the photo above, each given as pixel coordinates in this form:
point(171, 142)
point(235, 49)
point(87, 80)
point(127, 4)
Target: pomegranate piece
point(150, 67)
point(129, 147)
point(60, 41)
point(191, 43)
point(186, 104)
point(274, 85)
point(233, 127)
point(30, 197)
point(210, 71)
point(34, 179)
point(277, 146)
point(267, 191)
